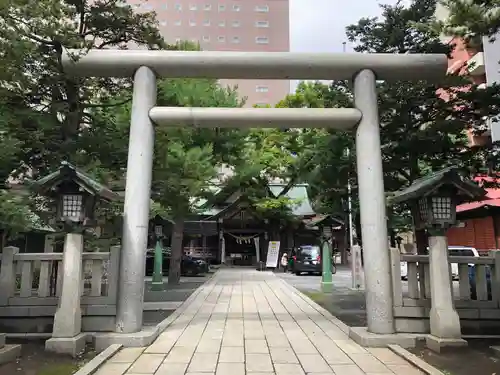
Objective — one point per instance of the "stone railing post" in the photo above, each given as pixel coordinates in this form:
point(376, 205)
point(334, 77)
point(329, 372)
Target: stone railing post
point(397, 287)
point(66, 336)
point(495, 277)
point(113, 273)
point(7, 274)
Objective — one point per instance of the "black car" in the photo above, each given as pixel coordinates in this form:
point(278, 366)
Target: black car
point(189, 265)
point(307, 259)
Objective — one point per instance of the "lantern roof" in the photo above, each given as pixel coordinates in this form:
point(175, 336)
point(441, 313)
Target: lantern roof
point(466, 189)
point(68, 172)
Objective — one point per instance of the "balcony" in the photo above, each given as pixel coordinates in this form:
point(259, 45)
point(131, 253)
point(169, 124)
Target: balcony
point(475, 65)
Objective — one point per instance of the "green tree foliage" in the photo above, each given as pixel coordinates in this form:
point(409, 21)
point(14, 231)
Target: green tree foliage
point(420, 132)
point(54, 109)
point(470, 19)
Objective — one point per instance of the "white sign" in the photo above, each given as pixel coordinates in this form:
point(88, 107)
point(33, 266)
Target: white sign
point(358, 275)
point(273, 252)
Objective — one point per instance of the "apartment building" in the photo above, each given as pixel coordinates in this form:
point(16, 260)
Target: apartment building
point(229, 25)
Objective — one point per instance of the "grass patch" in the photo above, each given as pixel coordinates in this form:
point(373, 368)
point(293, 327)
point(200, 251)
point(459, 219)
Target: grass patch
point(59, 369)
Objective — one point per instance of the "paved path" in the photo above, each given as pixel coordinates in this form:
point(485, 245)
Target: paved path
point(248, 322)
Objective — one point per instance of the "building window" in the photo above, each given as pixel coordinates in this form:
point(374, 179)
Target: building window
point(261, 23)
point(193, 7)
point(206, 23)
point(192, 23)
point(236, 23)
point(260, 88)
point(262, 40)
point(236, 39)
point(206, 38)
point(178, 7)
point(221, 39)
point(262, 8)
point(163, 23)
point(178, 23)
point(236, 8)
point(222, 7)
point(222, 23)
point(208, 7)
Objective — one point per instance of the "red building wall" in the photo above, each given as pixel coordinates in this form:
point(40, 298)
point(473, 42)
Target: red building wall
point(480, 233)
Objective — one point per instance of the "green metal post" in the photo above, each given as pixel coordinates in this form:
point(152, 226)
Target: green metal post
point(157, 283)
point(326, 261)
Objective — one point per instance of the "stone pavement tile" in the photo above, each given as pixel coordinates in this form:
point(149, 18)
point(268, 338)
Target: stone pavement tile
point(370, 364)
point(230, 369)
point(147, 364)
point(232, 354)
point(283, 355)
point(256, 347)
point(335, 356)
point(405, 370)
point(277, 341)
point(288, 369)
point(346, 370)
point(387, 356)
point(350, 347)
point(303, 347)
point(113, 369)
point(200, 373)
point(127, 355)
point(313, 363)
point(168, 368)
point(208, 346)
point(203, 362)
point(258, 363)
point(160, 346)
point(180, 354)
point(232, 339)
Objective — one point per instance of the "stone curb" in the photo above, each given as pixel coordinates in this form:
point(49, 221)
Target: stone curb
point(94, 364)
point(414, 360)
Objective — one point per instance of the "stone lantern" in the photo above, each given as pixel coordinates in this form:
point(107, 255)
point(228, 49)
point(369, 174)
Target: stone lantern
point(74, 196)
point(433, 200)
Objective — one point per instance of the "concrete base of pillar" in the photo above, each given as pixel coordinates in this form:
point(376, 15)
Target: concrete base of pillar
point(9, 353)
point(438, 344)
point(136, 339)
point(361, 336)
point(326, 287)
point(67, 345)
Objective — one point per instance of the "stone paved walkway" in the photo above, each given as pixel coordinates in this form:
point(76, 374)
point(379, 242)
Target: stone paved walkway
point(248, 322)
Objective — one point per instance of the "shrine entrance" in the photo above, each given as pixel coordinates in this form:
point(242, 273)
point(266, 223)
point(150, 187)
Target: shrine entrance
point(364, 69)
point(242, 248)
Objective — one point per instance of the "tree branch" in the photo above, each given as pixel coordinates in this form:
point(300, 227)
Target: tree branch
point(107, 105)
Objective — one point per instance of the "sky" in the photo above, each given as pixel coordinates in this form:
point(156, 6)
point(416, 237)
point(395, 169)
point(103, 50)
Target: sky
point(321, 27)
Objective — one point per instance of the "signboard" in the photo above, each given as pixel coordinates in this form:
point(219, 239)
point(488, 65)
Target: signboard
point(358, 276)
point(273, 252)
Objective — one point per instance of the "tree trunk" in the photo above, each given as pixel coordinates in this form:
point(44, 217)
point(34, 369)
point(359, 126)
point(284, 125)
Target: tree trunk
point(174, 271)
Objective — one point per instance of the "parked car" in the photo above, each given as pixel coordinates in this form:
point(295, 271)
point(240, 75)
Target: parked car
point(472, 281)
point(463, 251)
point(307, 259)
point(189, 265)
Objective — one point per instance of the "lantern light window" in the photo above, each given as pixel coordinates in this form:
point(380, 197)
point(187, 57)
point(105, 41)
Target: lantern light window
point(72, 206)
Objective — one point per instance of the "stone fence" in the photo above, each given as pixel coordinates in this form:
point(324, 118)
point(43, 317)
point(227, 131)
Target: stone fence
point(31, 284)
point(476, 295)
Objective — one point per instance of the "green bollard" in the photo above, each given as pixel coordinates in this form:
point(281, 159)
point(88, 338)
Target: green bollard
point(157, 284)
point(326, 261)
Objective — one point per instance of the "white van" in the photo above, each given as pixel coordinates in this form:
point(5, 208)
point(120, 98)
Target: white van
point(461, 251)
point(454, 251)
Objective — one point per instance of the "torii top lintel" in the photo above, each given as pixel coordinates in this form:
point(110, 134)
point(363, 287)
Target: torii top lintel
point(255, 65)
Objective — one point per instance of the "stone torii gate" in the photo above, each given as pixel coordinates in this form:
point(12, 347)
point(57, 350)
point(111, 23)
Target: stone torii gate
point(362, 69)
